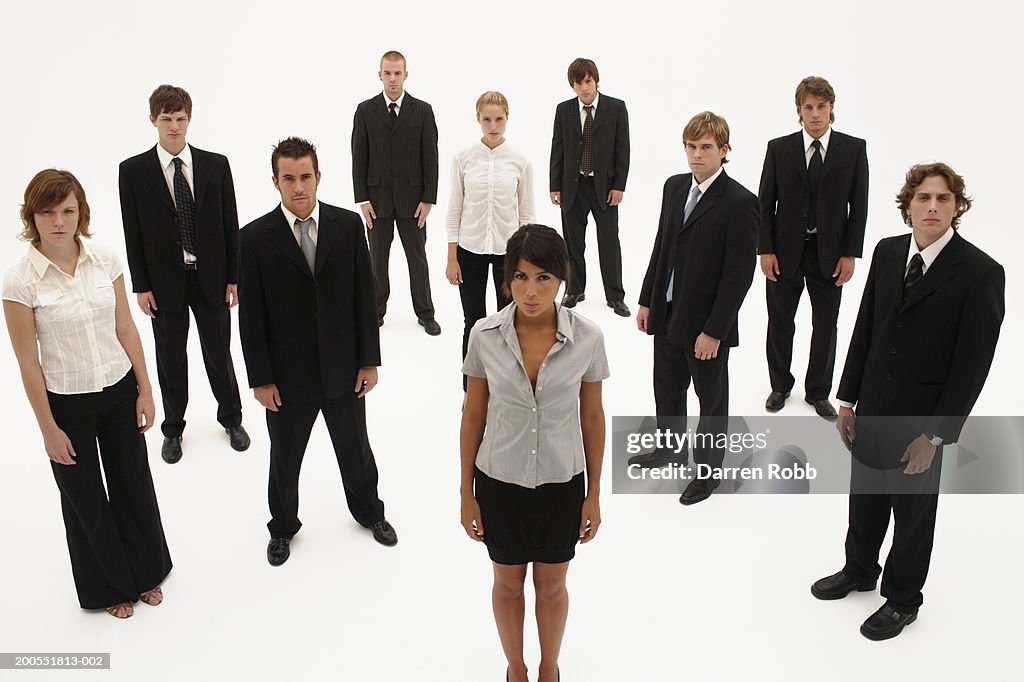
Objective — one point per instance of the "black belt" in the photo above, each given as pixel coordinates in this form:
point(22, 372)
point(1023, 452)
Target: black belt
point(191, 266)
point(810, 236)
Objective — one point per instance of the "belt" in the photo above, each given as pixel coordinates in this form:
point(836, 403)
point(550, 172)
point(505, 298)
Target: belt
point(191, 266)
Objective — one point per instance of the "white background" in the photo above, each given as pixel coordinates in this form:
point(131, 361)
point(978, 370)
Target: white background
point(718, 591)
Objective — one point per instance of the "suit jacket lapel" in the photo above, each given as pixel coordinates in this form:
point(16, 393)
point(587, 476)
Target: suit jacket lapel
point(835, 148)
point(599, 118)
point(283, 238)
point(326, 235)
point(157, 180)
point(382, 110)
point(708, 201)
point(943, 269)
point(200, 178)
point(799, 156)
point(408, 108)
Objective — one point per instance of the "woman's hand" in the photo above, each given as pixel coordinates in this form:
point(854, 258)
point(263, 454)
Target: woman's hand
point(591, 520)
point(58, 446)
point(453, 273)
point(145, 411)
point(471, 522)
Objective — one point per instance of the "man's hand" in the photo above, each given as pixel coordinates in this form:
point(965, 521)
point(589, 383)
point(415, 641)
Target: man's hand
point(369, 215)
point(268, 397)
point(421, 214)
point(366, 379)
point(147, 302)
point(844, 270)
point(641, 318)
point(706, 347)
point(231, 295)
point(918, 455)
point(770, 266)
point(614, 197)
point(556, 198)
point(847, 426)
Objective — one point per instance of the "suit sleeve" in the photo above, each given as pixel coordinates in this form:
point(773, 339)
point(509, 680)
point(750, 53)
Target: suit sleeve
point(429, 156)
point(555, 182)
point(856, 223)
point(767, 196)
point(132, 232)
point(975, 347)
point(360, 157)
point(252, 321)
point(367, 329)
point(737, 267)
point(455, 202)
point(230, 220)
point(652, 266)
point(621, 151)
point(860, 342)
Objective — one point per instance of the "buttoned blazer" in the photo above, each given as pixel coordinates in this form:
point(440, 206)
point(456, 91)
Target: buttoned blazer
point(153, 238)
point(394, 165)
point(928, 357)
point(842, 206)
point(306, 332)
point(713, 255)
point(610, 147)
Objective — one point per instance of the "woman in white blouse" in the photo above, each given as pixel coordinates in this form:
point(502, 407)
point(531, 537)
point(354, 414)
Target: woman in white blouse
point(85, 376)
point(492, 195)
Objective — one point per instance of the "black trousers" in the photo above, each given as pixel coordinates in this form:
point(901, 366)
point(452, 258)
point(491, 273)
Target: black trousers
point(574, 228)
point(675, 367)
point(289, 429)
point(414, 242)
point(170, 337)
point(114, 534)
point(473, 289)
point(912, 500)
point(783, 299)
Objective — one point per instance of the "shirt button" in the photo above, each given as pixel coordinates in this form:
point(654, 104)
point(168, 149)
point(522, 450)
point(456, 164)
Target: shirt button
point(899, 324)
point(535, 409)
point(540, 388)
point(893, 351)
point(533, 452)
point(533, 430)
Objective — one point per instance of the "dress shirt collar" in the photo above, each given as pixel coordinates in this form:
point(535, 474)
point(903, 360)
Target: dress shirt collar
point(707, 183)
point(399, 101)
point(291, 217)
point(823, 139)
point(597, 96)
point(166, 157)
point(40, 262)
point(505, 321)
point(930, 252)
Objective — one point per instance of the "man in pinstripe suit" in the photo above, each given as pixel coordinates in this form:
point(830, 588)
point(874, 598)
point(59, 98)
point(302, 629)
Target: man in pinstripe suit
point(394, 177)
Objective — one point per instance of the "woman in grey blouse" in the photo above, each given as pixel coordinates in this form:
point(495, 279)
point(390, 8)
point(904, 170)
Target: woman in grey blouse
point(533, 422)
point(492, 195)
point(84, 372)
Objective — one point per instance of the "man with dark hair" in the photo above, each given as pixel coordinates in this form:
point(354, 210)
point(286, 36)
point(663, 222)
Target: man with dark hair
point(814, 207)
point(181, 236)
point(311, 344)
point(922, 347)
point(589, 165)
point(700, 270)
point(394, 176)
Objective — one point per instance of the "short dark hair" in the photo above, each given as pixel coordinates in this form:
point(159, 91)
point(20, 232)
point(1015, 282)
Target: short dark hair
point(537, 244)
point(921, 172)
point(293, 148)
point(394, 56)
point(580, 69)
point(47, 189)
point(817, 87)
point(167, 99)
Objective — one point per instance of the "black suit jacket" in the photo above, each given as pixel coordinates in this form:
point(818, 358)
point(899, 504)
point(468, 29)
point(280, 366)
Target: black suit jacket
point(152, 236)
point(308, 334)
point(394, 166)
point(713, 255)
point(610, 146)
point(928, 357)
point(842, 208)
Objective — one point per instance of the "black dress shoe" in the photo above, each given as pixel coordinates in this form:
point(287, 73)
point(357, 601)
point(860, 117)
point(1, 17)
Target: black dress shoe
point(570, 300)
point(238, 437)
point(431, 326)
point(620, 308)
point(659, 458)
point(824, 409)
point(278, 551)
point(776, 401)
point(384, 533)
point(698, 490)
point(886, 623)
point(171, 450)
point(838, 585)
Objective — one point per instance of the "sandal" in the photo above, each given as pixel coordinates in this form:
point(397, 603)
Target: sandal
point(152, 597)
point(122, 610)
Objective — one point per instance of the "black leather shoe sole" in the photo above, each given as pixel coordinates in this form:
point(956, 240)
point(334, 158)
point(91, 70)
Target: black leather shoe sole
point(823, 409)
point(829, 595)
point(570, 301)
point(887, 633)
point(688, 498)
point(619, 307)
point(774, 403)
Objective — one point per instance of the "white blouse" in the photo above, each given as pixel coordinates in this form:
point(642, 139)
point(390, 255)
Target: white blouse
point(492, 195)
point(78, 347)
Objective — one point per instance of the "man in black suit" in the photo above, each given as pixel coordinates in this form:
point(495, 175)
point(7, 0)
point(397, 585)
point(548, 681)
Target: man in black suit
point(310, 339)
point(814, 207)
point(181, 235)
point(394, 176)
point(589, 164)
point(924, 340)
point(701, 267)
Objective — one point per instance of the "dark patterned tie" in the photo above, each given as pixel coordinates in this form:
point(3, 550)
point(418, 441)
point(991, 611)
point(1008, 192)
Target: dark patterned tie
point(914, 274)
point(393, 107)
point(587, 152)
point(306, 244)
point(813, 178)
point(185, 208)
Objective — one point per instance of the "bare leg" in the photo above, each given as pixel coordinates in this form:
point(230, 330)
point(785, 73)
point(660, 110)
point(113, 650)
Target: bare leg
point(509, 611)
point(552, 611)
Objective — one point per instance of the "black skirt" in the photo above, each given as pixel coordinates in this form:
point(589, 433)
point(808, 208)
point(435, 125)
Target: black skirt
point(522, 525)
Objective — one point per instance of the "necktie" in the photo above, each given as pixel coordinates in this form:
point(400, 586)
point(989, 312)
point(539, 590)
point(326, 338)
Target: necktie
point(813, 177)
point(694, 196)
point(185, 208)
point(393, 107)
point(306, 242)
point(914, 274)
point(587, 151)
